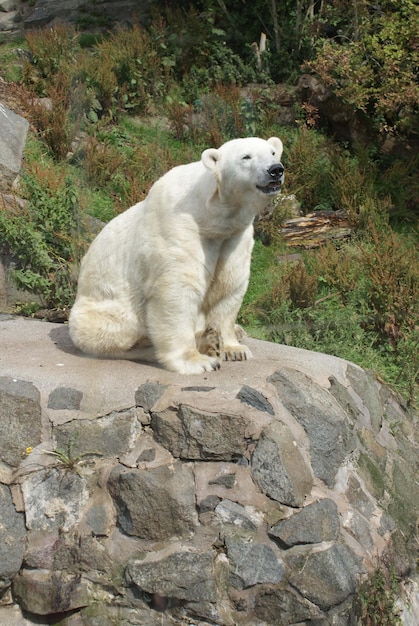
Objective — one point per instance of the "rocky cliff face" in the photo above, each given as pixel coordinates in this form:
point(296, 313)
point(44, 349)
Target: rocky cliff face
point(17, 15)
point(260, 494)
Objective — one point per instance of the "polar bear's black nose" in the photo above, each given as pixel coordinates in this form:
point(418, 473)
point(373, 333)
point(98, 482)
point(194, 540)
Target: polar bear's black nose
point(276, 171)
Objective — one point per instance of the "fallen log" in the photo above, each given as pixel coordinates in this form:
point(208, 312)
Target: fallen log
point(316, 229)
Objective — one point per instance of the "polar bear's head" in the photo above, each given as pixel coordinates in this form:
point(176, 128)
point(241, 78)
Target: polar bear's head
point(247, 165)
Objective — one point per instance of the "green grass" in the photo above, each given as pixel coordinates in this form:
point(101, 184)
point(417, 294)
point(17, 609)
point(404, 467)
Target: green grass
point(331, 325)
point(10, 62)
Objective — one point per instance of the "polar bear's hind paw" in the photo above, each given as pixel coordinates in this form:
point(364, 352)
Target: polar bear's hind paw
point(211, 342)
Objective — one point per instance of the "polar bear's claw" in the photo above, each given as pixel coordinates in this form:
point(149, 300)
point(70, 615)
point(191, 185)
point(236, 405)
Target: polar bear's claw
point(237, 353)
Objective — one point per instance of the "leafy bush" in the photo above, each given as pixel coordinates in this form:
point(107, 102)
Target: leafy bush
point(195, 47)
point(124, 72)
point(391, 270)
point(53, 52)
point(134, 60)
point(51, 117)
point(309, 161)
point(372, 66)
point(44, 236)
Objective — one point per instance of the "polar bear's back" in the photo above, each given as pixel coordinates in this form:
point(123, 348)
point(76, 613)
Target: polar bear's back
point(166, 213)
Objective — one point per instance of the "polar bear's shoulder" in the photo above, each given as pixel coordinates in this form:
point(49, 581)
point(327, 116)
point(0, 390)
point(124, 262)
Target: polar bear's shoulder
point(181, 174)
point(183, 181)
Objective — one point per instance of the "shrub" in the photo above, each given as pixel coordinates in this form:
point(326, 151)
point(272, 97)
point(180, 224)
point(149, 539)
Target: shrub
point(195, 47)
point(303, 287)
point(45, 237)
point(308, 165)
point(130, 62)
point(102, 162)
point(373, 69)
point(53, 52)
point(50, 118)
point(391, 271)
point(399, 181)
point(336, 268)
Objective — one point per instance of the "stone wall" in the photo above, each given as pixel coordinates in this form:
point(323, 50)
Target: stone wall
point(260, 494)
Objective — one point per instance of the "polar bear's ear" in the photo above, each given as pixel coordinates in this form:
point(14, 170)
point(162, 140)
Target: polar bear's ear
point(210, 157)
point(277, 144)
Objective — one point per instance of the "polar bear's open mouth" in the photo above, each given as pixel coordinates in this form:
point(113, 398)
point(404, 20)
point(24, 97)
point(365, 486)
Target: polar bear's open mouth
point(271, 188)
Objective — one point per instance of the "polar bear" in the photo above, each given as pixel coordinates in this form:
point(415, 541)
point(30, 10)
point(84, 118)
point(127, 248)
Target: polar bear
point(165, 279)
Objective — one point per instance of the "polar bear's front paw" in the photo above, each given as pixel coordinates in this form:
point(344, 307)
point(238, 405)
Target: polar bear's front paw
point(194, 364)
point(236, 352)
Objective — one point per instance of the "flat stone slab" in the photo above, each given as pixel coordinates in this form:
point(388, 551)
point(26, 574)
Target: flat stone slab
point(42, 353)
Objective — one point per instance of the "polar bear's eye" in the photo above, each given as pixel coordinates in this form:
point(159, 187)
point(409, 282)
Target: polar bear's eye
point(246, 157)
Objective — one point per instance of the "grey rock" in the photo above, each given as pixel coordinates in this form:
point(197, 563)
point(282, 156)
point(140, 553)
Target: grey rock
point(65, 398)
point(360, 529)
point(20, 419)
point(326, 577)
point(40, 16)
point(193, 434)
point(154, 504)
point(4, 317)
point(358, 498)
point(54, 498)
point(101, 614)
point(99, 518)
point(42, 546)
point(147, 395)
point(315, 523)
point(255, 398)
point(109, 436)
point(209, 504)
point(13, 131)
point(226, 480)
point(278, 466)
point(181, 575)
point(90, 556)
point(7, 24)
point(403, 499)
point(253, 563)
point(200, 614)
point(342, 395)
point(251, 472)
point(327, 425)
point(366, 386)
point(12, 538)
point(282, 607)
point(232, 513)
point(43, 592)
point(7, 5)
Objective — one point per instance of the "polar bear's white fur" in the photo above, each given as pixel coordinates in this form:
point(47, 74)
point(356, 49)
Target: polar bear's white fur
point(165, 279)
